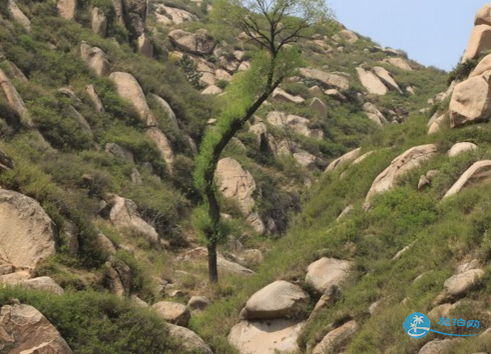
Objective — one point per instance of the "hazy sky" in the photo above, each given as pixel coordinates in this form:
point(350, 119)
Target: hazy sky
point(432, 32)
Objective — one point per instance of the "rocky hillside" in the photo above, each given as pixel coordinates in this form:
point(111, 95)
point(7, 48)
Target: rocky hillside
point(103, 105)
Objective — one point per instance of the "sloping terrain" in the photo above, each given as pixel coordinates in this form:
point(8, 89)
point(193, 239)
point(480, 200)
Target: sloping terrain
point(102, 110)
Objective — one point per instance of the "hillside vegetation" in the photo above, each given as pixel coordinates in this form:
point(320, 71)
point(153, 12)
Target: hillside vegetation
point(100, 125)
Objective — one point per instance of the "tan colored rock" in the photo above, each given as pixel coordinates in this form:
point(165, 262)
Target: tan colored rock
point(331, 80)
point(478, 173)
point(334, 339)
point(400, 63)
point(129, 89)
point(460, 148)
point(198, 302)
point(124, 214)
point(283, 96)
point(145, 45)
point(345, 212)
point(99, 22)
point(334, 165)
point(371, 82)
point(212, 90)
point(437, 347)
point(266, 337)
point(163, 145)
point(479, 42)
point(296, 123)
point(14, 72)
point(316, 90)
point(346, 35)
point(15, 278)
point(405, 162)
point(276, 300)
point(236, 183)
point(474, 264)
point(460, 283)
point(90, 89)
point(167, 109)
point(334, 93)
point(319, 106)
point(471, 101)
point(24, 330)
point(483, 66)
point(327, 272)
point(200, 43)
point(27, 235)
point(118, 10)
point(483, 16)
point(66, 8)
point(362, 158)
point(386, 78)
point(119, 152)
point(15, 100)
point(173, 312)
point(6, 163)
point(174, 15)
point(305, 159)
point(95, 58)
point(374, 114)
point(19, 16)
point(254, 220)
point(437, 124)
point(190, 342)
point(223, 75)
point(43, 284)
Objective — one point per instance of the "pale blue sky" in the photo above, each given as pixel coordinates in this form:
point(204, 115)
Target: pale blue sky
point(432, 32)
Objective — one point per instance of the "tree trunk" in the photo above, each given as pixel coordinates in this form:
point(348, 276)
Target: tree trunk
point(212, 262)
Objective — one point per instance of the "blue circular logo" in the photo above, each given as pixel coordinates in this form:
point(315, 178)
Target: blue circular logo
point(417, 325)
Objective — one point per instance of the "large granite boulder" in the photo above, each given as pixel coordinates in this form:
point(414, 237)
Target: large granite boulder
point(327, 272)
point(276, 300)
point(95, 58)
point(479, 172)
point(27, 234)
point(200, 43)
point(371, 82)
point(191, 343)
point(334, 339)
point(173, 312)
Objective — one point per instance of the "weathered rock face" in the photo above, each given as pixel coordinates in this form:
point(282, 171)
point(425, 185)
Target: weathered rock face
point(460, 148)
point(400, 63)
point(479, 42)
point(129, 88)
point(471, 101)
point(266, 337)
point(99, 22)
point(27, 235)
point(15, 101)
point(43, 284)
point(200, 43)
point(173, 15)
point(198, 302)
point(276, 300)
point(19, 16)
point(374, 114)
point(283, 96)
point(483, 16)
point(6, 163)
point(90, 89)
point(236, 183)
point(327, 272)
point(124, 213)
point(163, 145)
point(145, 45)
point(171, 116)
point(330, 80)
point(305, 159)
point(191, 342)
point(66, 8)
point(335, 338)
point(386, 78)
point(371, 82)
point(460, 283)
point(437, 124)
point(334, 165)
point(119, 152)
point(346, 35)
point(483, 66)
point(319, 106)
point(410, 159)
point(298, 124)
point(212, 90)
point(23, 329)
point(479, 172)
point(95, 58)
point(173, 312)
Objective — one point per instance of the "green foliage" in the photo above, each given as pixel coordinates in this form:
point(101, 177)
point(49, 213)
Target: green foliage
point(99, 323)
point(190, 69)
point(463, 70)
